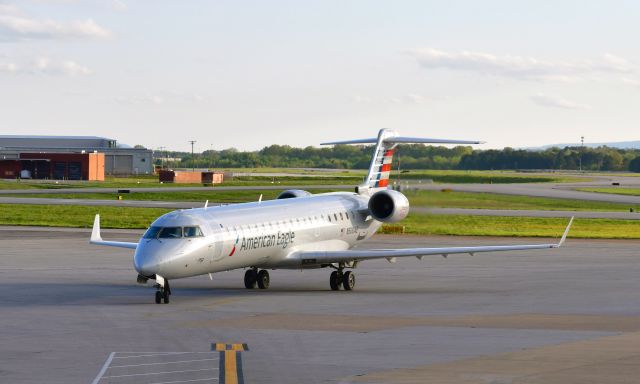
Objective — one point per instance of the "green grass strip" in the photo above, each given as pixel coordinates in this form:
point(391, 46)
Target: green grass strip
point(463, 225)
point(451, 199)
point(78, 216)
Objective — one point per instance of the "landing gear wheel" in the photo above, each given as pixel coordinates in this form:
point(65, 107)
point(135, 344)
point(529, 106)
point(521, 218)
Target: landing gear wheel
point(263, 279)
point(334, 281)
point(165, 295)
point(250, 278)
point(348, 280)
point(158, 297)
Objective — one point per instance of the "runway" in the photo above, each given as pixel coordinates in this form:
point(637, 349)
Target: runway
point(72, 313)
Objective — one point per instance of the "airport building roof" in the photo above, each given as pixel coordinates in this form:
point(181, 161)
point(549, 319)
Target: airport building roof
point(52, 142)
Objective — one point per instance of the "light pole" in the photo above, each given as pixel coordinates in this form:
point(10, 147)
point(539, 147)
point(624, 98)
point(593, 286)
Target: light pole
point(161, 149)
point(193, 160)
point(212, 164)
point(581, 146)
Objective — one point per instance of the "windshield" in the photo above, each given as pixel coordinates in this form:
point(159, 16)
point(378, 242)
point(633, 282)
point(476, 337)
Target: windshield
point(170, 233)
point(192, 232)
point(152, 232)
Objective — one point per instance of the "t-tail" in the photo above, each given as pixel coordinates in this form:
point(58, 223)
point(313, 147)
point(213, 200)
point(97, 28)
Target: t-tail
point(386, 142)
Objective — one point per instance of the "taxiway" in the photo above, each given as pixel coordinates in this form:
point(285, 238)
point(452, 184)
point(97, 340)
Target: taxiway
point(71, 311)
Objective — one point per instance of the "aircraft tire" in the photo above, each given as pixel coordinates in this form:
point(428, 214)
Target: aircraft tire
point(250, 278)
point(165, 296)
point(263, 279)
point(158, 297)
point(348, 280)
point(334, 281)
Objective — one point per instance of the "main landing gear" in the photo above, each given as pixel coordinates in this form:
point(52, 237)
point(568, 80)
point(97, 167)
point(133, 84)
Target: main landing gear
point(253, 277)
point(163, 293)
point(339, 278)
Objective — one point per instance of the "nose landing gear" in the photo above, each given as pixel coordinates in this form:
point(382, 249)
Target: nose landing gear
point(163, 292)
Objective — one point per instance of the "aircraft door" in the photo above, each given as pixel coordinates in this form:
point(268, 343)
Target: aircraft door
point(215, 249)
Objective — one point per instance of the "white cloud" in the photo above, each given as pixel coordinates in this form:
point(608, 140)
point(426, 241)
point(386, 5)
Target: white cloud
point(361, 99)
point(16, 26)
point(632, 82)
point(8, 67)
point(45, 66)
point(557, 102)
point(518, 67)
point(119, 5)
point(612, 63)
point(72, 68)
point(168, 97)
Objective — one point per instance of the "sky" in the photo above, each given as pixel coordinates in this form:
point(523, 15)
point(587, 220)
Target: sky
point(247, 74)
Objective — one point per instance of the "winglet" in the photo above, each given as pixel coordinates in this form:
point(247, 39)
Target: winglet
point(566, 232)
point(95, 232)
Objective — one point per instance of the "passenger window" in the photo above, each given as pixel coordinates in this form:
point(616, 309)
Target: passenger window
point(192, 232)
point(347, 215)
point(170, 233)
point(329, 217)
point(335, 216)
point(341, 217)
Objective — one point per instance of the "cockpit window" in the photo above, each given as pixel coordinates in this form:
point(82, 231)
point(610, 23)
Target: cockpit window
point(152, 232)
point(192, 232)
point(170, 233)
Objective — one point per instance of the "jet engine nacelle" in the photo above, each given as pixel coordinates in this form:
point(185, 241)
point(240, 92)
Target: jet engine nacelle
point(291, 193)
point(388, 206)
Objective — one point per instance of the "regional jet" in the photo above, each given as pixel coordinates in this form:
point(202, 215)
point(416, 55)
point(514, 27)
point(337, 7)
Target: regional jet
point(297, 230)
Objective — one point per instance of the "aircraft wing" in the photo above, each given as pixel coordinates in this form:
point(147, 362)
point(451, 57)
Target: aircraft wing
point(319, 257)
point(97, 239)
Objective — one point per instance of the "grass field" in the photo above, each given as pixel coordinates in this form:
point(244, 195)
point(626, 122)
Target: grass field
point(420, 198)
point(615, 191)
point(515, 226)
point(329, 177)
point(78, 216)
point(484, 177)
point(452, 199)
point(137, 182)
point(214, 196)
point(121, 217)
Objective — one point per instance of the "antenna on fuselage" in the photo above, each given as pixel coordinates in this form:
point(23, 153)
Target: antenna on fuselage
point(260, 198)
point(206, 204)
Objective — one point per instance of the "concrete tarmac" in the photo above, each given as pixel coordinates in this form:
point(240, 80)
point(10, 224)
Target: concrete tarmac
point(72, 313)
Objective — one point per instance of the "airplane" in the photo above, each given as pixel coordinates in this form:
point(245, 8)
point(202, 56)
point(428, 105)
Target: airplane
point(297, 230)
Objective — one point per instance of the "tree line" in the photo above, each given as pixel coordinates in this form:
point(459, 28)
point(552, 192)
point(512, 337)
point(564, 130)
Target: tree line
point(412, 156)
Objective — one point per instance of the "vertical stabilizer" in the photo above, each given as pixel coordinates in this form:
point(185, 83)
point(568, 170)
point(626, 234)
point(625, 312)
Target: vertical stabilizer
point(386, 142)
point(380, 167)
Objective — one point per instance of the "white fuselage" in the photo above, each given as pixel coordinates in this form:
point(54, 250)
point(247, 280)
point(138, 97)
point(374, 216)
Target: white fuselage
point(258, 234)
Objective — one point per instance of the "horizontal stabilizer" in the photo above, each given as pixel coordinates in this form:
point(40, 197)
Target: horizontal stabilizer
point(390, 137)
point(381, 162)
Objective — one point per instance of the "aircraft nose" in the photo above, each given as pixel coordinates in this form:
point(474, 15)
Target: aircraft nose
point(145, 263)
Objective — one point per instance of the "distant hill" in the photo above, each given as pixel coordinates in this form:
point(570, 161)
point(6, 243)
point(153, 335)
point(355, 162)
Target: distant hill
point(615, 144)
